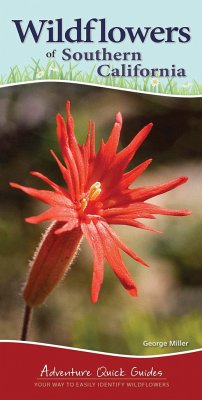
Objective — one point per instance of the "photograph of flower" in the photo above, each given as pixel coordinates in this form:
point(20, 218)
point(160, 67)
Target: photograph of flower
point(97, 186)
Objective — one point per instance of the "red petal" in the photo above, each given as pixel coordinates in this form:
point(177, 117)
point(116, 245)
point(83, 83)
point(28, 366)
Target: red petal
point(68, 226)
point(106, 153)
point(62, 136)
point(139, 210)
point(44, 178)
point(74, 173)
point(69, 158)
point(92, 236)
point(109, 175)
point(66, 175)
point(54, 213)
point(74, 146)
point(47, 215)
point(113, 141)
point(46, 196)
point(144, 193)
point(122, 246)
point(126, 155)
point(92, 143)
point(114, 259)
point(87, 144)
point(114, 195)
point(130, 222)
point(85, 155)
point(130, 176)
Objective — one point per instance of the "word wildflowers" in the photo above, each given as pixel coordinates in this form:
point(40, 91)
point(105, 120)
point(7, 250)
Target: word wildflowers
point(97, 194)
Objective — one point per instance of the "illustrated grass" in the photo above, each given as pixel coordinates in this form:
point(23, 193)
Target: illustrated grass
point(68, 72)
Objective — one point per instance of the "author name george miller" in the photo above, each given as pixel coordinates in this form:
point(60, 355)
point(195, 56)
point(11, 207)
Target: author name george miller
point(170, 343)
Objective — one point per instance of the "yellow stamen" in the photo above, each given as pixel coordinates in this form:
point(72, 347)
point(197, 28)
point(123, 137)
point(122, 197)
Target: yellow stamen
point(95, 194)
point(83, 204)
point(94, 191)
point(92, 194)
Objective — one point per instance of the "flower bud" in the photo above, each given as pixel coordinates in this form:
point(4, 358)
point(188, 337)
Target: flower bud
point(51, 260)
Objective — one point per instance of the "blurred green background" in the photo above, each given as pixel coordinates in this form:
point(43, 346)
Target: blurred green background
point(170, 296)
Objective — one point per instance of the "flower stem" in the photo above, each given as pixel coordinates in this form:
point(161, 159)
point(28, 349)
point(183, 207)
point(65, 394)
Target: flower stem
point(26, 322)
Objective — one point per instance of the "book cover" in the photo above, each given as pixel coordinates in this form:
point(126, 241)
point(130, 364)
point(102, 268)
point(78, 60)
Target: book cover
point(100, 183)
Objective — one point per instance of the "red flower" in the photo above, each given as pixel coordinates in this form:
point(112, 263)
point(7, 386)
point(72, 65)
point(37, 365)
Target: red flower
point(98, 194)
